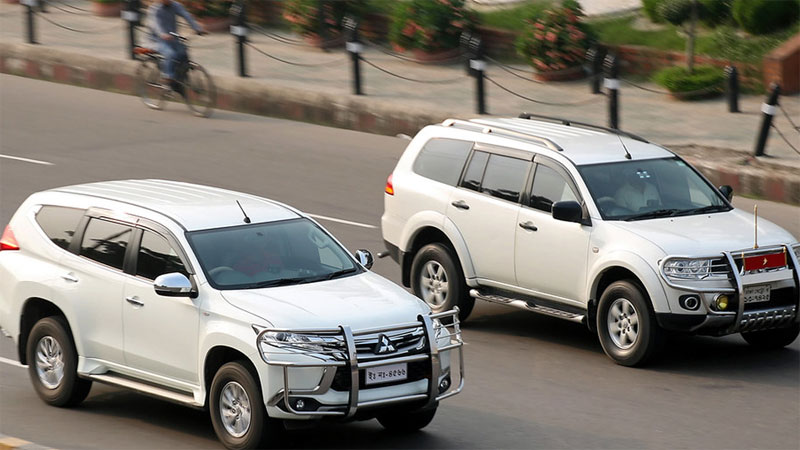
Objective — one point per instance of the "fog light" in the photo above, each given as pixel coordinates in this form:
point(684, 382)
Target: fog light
point(689, 302)
point(721, 302)
point(300, 404)
point(444, 385)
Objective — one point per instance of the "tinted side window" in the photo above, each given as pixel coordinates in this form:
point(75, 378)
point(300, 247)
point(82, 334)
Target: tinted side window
point(59, 223)
point(474, 174)
point(549, 187)
point(505, 177)
point(156, 257)
point(442, 160)
point(105, 242)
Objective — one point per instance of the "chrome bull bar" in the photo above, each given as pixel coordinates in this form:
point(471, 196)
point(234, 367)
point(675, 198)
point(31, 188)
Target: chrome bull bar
point(338, 349)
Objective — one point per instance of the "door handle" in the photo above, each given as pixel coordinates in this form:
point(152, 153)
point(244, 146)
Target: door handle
point(134, 300)
point(69, 277)
point(461, 204)
point(528, 226)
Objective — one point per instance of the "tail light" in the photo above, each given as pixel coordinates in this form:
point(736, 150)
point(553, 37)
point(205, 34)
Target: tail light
point(389, 187)
point(8, 241)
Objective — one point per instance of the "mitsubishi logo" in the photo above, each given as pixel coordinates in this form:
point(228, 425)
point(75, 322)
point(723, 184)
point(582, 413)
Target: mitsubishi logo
point(765, 262)
point(383, 346)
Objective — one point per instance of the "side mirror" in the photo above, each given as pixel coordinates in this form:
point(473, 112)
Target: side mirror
point(365, 258)
point(568, 211)
point(726, 191)
point(174, 285)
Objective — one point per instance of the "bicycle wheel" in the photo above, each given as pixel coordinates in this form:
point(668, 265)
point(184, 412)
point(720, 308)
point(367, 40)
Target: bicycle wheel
point(149, 86)
point(200, 94)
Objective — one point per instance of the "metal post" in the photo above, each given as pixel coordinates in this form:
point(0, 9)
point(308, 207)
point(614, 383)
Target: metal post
point(131, 15)
point(321, 27)
point(732, 88)
point(768, 109)
point(29, 22)
point(477, 67)
point(239, 29)
point(611, 66)
point(594, 65)
point(354, 47)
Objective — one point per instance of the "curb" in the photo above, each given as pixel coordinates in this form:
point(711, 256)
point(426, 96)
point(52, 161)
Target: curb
point(754, 178)
point(12, 443)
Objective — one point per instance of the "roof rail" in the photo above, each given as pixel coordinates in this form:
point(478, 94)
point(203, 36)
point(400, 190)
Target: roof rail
point(568, 123)
point(486, 129)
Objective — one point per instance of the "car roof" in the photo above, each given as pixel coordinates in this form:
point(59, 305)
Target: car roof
point(580, 143)
point(193, 206)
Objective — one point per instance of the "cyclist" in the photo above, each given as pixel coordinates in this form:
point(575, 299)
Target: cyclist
point(162, 18)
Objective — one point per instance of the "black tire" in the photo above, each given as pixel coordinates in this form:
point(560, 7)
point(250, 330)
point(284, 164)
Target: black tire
point(627, 343)
point(149, 85)
point(260, 426)
point(772, 339)
point(199, 91)
point(64, 390)
point(406, 421)
point(457, 293)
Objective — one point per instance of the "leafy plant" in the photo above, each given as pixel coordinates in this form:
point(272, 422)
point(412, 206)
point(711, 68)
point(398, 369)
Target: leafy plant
point(684, 13)
point(705, 81)
point(557, 40)
point(208, 8)
point(765, 16)
point(650, 8)
point(716, 12)
point(430, 25)
point(312, 17)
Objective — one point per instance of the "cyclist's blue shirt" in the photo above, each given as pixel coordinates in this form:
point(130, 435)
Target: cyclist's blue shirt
point(163, 19)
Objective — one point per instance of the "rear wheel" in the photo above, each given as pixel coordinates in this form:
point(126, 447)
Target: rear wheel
point(149, 85)
point(771, 339)
point(437, 279)
point(626, 324)
point(407, 420)
point(53, 364)
point(200, 94)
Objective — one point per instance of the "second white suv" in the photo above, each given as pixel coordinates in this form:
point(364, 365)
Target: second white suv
point(585, 224)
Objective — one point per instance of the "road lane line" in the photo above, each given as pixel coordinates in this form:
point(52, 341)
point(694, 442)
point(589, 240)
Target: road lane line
point(11, 362)
point(27, 160)
point(346, 222)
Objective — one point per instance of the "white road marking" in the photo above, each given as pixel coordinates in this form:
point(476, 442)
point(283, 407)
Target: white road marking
point(27, 160)
point(346, 222)
point(11, 362)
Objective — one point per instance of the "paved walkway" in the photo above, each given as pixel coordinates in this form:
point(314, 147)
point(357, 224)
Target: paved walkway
point(446, 88)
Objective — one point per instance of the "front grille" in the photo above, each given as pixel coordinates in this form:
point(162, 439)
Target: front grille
point(417, 370)
point(777, 298)
point(404, 341)
point(766, 319)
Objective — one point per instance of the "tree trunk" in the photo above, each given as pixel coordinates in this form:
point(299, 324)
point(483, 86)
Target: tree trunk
point(690, 38)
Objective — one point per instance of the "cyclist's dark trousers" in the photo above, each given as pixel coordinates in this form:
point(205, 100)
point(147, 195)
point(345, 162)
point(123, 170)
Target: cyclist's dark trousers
point(174, 53)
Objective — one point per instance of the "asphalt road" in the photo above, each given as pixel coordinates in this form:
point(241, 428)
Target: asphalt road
point(532, 382)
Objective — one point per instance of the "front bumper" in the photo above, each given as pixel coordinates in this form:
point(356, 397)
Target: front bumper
point(342, 390)
point(781, 311)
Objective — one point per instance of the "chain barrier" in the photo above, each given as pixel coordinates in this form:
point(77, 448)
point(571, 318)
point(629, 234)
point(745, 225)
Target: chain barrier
point(292, 63)
point(789, 118)
point(513, 71)
point(51, 2)
point(705, 90)
point(414, 80)
point(76, 30)
point(785, 139)
point(389, 52)
point(541, 102)
point(64, 10)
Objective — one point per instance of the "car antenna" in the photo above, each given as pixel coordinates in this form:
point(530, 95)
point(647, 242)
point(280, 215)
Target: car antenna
point(627, 153)
point(246, 219)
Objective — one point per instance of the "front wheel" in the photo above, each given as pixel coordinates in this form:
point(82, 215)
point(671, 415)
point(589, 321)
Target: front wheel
point(199, 91)
point(626, 325)
point(149, 84)
point(406, 421)
point(772, 339)
point(437, 279)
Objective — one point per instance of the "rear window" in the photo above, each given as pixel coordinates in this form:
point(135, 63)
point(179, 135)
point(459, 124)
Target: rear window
point(59, 223)
point(442, 160)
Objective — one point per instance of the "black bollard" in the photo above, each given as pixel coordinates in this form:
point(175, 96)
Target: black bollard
point(131, 15)
point(768, 109)
point(732, 88)
point(29, 22)
point(611, 66)
point(322, 28)
point(477, 67)
point(594, 65)
point(239, 29)
point(354, 47)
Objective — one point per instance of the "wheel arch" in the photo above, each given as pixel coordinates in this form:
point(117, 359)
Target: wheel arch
point(617, 270)
point(219, 355)
point(428, 235)
point(33, 310)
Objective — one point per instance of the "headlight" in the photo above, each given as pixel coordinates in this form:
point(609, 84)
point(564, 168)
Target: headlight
point(687, 269)
point(283, 341)
point(796, 249)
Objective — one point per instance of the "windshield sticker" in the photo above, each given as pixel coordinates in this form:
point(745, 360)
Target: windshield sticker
point(642, 174)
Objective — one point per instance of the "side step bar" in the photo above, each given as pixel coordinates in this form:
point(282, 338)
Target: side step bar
point(528, 306)
point(144, 388)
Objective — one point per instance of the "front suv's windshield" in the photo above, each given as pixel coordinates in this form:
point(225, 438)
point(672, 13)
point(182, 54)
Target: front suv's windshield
point(270, 254)
point(638, 190)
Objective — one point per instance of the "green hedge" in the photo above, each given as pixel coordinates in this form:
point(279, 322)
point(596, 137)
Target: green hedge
point(765, 16)
point(706, 81)
point(651, 10)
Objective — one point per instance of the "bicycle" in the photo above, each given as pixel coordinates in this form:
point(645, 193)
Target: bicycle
point(198, 90)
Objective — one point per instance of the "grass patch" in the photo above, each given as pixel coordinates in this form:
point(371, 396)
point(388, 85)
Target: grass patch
point(513, 18)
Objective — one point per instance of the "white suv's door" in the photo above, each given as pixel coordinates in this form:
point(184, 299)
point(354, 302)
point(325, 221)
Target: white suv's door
point(551, 254)
point(161, 333)
point(484, 209)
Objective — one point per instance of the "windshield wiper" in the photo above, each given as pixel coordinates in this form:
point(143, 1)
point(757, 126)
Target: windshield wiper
point(704, 209)
point(278, 282)
point(653, 214)
point(339, 273)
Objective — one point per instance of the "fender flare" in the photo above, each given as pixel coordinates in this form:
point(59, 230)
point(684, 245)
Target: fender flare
point(440, 222)
point(645, 274)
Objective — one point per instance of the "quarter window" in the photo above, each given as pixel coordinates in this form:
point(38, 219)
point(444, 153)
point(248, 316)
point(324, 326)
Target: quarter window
point(442, 160)
point(549, 187)
point(156, 257)
point(505, 177)
point(105, 242)
point(474, 175)
point(59, 223)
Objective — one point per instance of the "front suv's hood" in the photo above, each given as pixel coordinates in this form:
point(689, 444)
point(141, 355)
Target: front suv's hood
point(366, 300)
point(707, 234)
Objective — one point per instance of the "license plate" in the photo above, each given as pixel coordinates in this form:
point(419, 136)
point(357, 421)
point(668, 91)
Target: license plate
point(386, 374)
point(756, 294)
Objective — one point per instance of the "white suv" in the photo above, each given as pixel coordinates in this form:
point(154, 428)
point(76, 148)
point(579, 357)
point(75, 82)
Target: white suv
point(585, 224)
point(216, 299)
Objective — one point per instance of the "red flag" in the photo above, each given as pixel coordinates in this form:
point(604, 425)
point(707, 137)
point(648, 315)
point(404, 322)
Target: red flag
point(764, 261)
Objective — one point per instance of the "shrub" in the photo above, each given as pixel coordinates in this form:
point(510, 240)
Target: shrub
point(676, 12)
point(704, 82)
point(765, 16)
point(651, 10)
point(430, 25)
point(557, 40)
point(208, 8)
point(716, 12)
point(304, 16)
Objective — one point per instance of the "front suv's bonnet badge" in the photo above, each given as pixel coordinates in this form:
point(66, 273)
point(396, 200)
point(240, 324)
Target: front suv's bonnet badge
point(383, 346)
